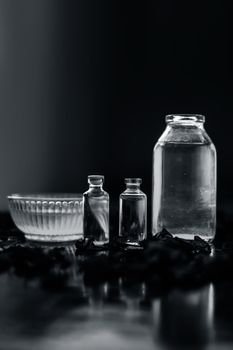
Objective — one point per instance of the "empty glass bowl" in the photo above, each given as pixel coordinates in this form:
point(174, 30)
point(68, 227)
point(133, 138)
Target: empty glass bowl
point(48, 217)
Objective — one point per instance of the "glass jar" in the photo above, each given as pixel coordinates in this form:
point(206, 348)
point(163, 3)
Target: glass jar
point(184, 179)
point(133, 212)
point(96, 211)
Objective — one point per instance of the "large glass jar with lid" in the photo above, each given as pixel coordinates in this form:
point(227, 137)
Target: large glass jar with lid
point(184, 179)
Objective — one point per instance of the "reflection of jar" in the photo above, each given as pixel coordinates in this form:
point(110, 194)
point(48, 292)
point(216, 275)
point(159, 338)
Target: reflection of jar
point(223, 311)
point(184, 319)
point(113, 295)
point(105, 293)
point(184, 179)
point(132, 293)
point(96, 294)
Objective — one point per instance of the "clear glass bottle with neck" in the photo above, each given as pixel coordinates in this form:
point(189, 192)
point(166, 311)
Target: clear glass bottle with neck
point(133, 212)
point(184, 179)
point(96, 211)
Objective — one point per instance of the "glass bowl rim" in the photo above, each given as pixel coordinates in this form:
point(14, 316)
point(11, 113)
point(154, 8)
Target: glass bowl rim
point(49, 197)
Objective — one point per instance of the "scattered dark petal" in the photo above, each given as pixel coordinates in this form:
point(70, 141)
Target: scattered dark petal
point(162, 235)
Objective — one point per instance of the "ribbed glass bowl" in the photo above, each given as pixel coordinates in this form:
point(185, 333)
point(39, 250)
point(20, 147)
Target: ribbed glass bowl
point(47, 217)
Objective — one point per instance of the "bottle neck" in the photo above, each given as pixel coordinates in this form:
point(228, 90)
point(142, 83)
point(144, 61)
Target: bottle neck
point(96, 187)
point(185, 126)
point(185, 121)
point(132, 187)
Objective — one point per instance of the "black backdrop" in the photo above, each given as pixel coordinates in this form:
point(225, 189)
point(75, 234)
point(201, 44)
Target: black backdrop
point(85, 86)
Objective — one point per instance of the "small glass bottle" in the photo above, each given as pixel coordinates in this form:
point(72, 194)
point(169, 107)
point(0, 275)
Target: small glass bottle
point(184, 179)
point(133, 212)
point(96, 211)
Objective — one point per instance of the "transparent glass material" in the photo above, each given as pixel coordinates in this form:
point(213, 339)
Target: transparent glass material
point(184, 179)
point(133, 212)
point(96, 211)
point(47, 217)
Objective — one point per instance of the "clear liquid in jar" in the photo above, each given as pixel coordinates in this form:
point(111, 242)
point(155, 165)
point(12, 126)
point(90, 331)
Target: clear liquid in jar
point(184, 190)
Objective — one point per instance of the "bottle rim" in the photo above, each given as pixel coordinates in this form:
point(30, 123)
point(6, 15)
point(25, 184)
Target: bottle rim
point(133, 180)
point(95, 179)
point(185, 118)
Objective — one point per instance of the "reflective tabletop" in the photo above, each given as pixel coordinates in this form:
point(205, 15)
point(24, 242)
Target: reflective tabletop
point(117, 312)
point(113, 315)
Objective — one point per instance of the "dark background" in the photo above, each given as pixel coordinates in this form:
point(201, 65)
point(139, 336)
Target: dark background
point(85, 86)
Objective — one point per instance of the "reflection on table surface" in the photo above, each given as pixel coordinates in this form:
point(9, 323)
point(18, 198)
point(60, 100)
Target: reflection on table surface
point(185, 319)
point(113, 315)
